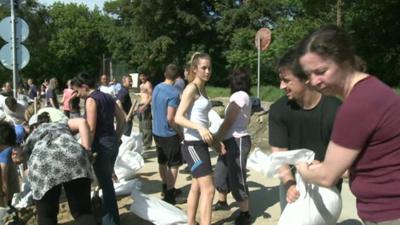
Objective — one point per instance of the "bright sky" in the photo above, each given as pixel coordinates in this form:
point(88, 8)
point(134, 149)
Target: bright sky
point(89, 3)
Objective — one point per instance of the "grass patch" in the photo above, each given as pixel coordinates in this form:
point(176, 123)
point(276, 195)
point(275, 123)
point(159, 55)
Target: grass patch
point(267, 93)
point(214, 92)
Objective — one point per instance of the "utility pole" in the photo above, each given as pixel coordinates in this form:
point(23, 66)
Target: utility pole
point(14, 48)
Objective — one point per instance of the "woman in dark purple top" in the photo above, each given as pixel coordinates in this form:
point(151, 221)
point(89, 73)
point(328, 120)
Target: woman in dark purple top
point(100, 111)
point(366, 135)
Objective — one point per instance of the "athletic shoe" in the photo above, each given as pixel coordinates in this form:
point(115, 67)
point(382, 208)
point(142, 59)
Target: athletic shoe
point(220, 206)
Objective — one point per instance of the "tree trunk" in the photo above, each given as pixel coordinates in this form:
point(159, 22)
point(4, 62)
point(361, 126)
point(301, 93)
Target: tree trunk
point(339, 20)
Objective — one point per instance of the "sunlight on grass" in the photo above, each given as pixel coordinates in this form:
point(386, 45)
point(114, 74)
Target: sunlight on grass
point(267, 93)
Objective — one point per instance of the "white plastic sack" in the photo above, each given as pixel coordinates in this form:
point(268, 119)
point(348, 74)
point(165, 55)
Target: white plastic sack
point(132, 143)
point(3, 213)
point(258, 161)
point(129, 160)
point(291, 157)
point(24, 198)
point(156, 210)
point(215, 121)
point(124, 187)
point(127, 165)
point(316, 205)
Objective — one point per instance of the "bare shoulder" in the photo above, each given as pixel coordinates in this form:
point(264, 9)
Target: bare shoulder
point(148, 85)
point(190, 89)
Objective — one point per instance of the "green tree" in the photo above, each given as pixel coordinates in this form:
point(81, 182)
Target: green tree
point(76, 39)
point(152, 34)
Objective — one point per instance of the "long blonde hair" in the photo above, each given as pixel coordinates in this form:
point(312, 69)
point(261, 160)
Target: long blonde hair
point(52, 84)
point(194, 62)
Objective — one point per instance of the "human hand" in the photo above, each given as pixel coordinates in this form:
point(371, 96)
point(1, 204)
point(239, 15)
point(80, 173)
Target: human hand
point(206, 135)
point(292, 193)
point(219, 147)
point(223, 149)
point(302, 168)
point(141, 109)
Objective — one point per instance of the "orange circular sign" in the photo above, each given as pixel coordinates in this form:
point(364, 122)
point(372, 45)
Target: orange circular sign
point(263, 36)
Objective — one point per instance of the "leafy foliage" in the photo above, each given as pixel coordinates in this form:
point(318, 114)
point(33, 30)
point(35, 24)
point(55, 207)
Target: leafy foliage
point(146, 35)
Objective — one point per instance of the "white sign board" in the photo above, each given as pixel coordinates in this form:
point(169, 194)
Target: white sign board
point(21, 29)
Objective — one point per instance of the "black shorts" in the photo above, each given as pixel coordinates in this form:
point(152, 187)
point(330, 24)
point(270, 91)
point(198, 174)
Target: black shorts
point(197, 156)
point(168, 150)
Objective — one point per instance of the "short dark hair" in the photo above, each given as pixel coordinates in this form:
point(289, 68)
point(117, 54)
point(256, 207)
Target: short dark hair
point(7, 134)
point(171, 71)
point(84, 78)
point(290, 61)
point(11, 103)
point(240, 81)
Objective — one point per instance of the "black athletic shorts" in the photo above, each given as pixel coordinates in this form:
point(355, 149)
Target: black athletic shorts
point(197, 156)
point(168, 150)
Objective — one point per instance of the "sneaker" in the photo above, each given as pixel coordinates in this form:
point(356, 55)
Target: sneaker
point(177, 191)
point(220, 206)
point(164, 190)
point(170, 197)
point(243, 219)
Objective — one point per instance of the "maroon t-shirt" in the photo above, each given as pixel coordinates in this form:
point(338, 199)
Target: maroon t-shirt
point(369, 121)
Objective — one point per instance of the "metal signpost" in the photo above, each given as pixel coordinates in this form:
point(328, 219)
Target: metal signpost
point(262, 41)
point(14, 55)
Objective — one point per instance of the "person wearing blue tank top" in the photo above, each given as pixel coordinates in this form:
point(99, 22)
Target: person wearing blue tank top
point(192, 115)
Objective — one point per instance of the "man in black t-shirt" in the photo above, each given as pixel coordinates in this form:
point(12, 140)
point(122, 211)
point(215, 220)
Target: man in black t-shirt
point(302, 119)
point(124, 101)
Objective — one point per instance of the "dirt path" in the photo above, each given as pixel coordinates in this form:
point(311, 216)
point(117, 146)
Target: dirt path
point(264, 192)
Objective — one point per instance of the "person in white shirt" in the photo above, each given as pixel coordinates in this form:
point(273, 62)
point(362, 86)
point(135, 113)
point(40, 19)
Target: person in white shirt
point(230, 171)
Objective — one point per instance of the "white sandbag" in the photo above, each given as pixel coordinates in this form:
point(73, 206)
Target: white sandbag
point(124, 187)
point(129, 160)
point(156, 210)
point(258, 161)
point(3, 214)
point(316, 205)
point(288, 157)
point(215, 121)
point(134, 142)
point(24, 198)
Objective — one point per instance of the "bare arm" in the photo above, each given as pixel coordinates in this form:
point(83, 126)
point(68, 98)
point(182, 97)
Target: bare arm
point(80, 125)
point(91, 115)
point(231, 113)
point(285, 173)
point(171, 112)
point(187, 100)
point(73, 96)
point(337, 160)
point(149, 89)
point(131, 110)
point(119, 103)
point(4, 181)
point(62, 100)
point(287, 179)
point(120, 116)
